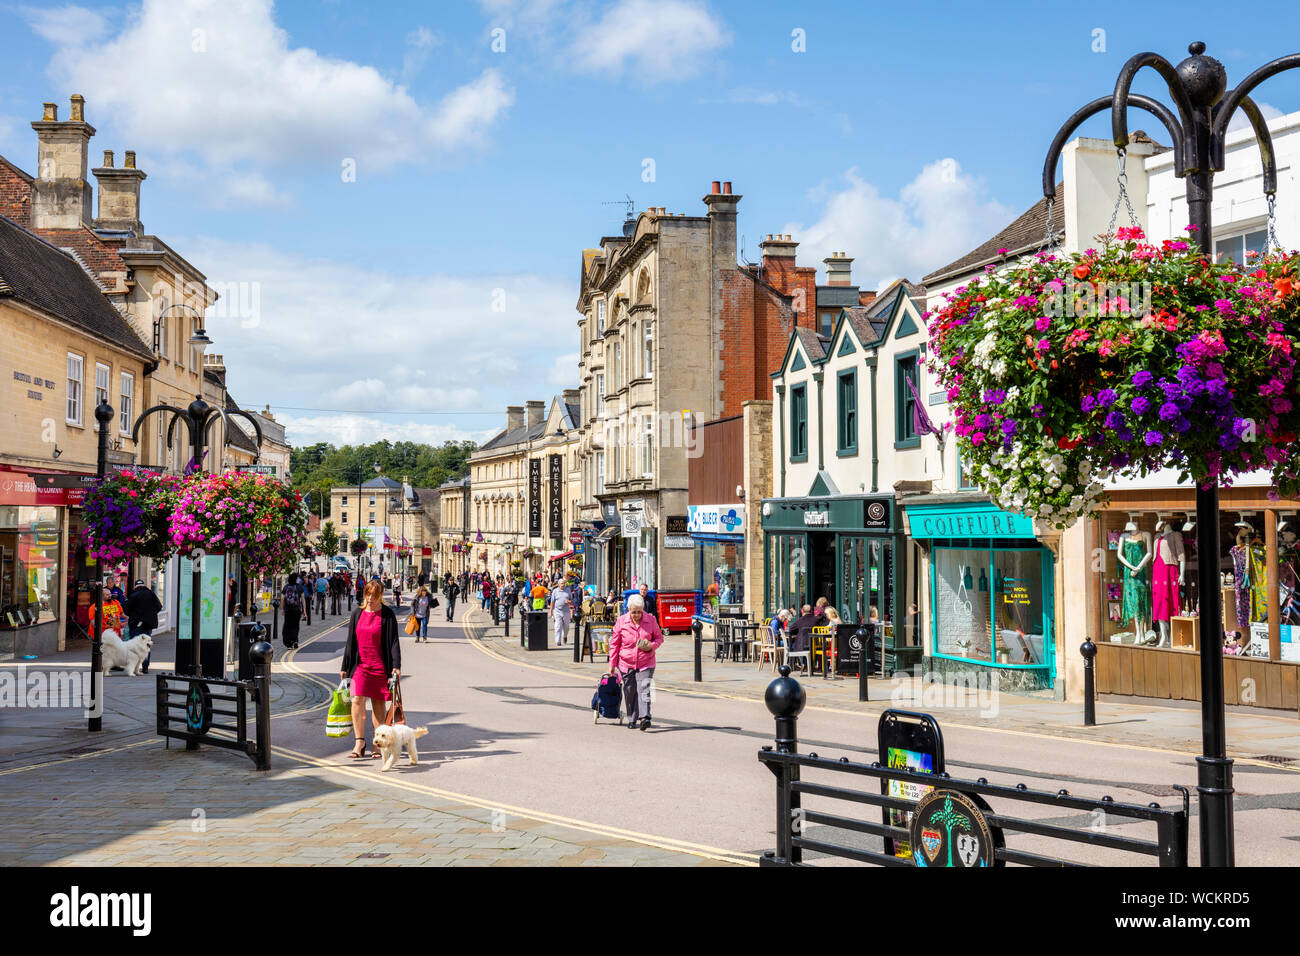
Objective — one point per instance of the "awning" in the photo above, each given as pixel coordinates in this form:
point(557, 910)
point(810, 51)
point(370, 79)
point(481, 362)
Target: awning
point(558, 557)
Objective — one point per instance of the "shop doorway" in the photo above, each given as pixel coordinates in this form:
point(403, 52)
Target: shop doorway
point(821, 560)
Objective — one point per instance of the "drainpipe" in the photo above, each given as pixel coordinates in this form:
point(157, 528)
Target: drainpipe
point(819, 378)
point(780, 412)
point(875, 452)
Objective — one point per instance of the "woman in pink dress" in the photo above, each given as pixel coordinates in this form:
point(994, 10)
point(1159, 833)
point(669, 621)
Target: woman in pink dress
point(372, 656)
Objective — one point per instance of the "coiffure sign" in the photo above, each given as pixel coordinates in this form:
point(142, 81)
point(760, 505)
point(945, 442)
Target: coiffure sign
point(984, 522)
point(715, 519)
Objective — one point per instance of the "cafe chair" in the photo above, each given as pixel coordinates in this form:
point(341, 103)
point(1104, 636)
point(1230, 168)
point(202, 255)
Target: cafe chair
point(792, 656)
point(768, 647)
point(819, 645)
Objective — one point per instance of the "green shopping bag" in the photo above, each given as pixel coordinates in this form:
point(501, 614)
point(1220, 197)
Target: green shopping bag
point(338, 722)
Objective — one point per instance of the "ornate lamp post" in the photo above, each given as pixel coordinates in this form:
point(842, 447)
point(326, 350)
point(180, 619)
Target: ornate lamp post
point(103, 418)
point(1199, 88)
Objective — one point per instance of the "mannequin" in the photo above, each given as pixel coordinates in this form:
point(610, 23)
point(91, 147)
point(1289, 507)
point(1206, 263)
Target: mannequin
point(1258, 579)
point(1169, 564)
point(1134, 555)
point(1240, 554)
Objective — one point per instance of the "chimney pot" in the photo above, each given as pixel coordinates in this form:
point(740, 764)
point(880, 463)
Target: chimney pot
point(717, 187)
point(78, 108)
point(108, 159)
point(51, 114)
point(726, 188)
point(129, 161)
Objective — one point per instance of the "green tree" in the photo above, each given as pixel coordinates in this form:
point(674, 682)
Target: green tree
point(329, 539)
point(948, 818)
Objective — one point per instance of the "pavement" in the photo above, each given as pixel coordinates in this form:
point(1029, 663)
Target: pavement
point(1271, 737)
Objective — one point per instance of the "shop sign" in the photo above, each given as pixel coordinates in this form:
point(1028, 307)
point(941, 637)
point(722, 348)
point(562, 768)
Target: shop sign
point(875, 514)
point(534, 497)
point(817, 518)
point(555, 464)
point(985, 522)
point(20, 488)
point(676, 525)
point(715, 519)
point(680, 542)
point(632, 517)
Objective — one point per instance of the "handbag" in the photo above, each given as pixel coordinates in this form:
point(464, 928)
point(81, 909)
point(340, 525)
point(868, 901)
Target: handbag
point(338, 720)
point(395, 715)
point(433, 603)
point(412, 625)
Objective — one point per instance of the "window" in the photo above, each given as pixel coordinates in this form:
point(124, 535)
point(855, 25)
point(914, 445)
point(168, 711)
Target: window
point(600, 317)
point(905, 371)
point(345, 501)
point(648, 346)
point(75, 373)
point(102, 375)
point(600, 396)
point(964, 482)
point(600, 472)
point(162, 330)
point(847, 435)
point(827, 323)
point(799, 423)
point(31, 543)
point(1235, 248)
point(648, 449)
point(372, 517)
point(126, 399)
point(618, 365)
point(372, 501)
point(344, 517)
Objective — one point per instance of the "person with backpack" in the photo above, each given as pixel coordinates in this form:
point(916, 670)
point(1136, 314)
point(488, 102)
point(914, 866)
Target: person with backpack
point(322, 586)
point(449, 592)
point(291, 600)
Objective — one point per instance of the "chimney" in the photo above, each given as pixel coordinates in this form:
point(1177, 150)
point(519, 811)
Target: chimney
point(61, 196)
point(119, 195)
point(536, 412)
point(778, 253)
point(866, 296)
point(839, 269)
point(514, 417)
point(571, 396)
point(722, 230)
point(216, 364)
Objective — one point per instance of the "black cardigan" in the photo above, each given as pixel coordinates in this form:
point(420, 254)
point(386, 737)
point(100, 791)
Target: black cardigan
point(390, 647)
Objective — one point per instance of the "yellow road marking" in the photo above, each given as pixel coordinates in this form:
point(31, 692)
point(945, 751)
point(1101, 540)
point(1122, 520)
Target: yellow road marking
point(479, 645)
point(599, 829)
point(97, 753)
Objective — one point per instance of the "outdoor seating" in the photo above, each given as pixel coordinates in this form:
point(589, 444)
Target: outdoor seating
point(819, 646)
point(767, 646)
point(792, 656)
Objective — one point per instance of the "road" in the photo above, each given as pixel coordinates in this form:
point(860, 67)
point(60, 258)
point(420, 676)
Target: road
point(520, 737)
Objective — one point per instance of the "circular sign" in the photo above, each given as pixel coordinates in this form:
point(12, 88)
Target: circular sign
point(198, 708)
point(876, 511)
point(948, 828)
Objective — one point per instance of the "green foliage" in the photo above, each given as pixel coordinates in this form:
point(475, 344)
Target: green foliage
point(329, 539)
point(318, 468)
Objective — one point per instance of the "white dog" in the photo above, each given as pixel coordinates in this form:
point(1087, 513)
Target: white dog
point(126, 654)
point(391, 738)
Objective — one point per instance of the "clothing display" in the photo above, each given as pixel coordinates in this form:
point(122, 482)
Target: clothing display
point(1240, 585)
point(1165, 596)
point(1137, 586)
point(1258, 584)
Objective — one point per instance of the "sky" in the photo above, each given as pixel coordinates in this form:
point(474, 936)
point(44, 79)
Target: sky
point(394, 197)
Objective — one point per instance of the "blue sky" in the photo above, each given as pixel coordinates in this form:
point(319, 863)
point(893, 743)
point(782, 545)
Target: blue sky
point(900, 134)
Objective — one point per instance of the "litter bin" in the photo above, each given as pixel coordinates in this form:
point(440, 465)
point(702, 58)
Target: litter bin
point(535, 630)
point(676, 608)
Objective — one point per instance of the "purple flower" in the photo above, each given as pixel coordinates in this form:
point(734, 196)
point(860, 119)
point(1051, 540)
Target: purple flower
point(1153, 438)
point(1114, 420)
point(1037, 411)
point(1141, 378)
point(995, 396)
point(1106, 397)
point(1168, 411)
point(983, 420)
point(1009, 428)
point(1140, 405)
point(1089, 403)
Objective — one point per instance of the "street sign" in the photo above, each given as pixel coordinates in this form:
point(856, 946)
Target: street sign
point(675, 525)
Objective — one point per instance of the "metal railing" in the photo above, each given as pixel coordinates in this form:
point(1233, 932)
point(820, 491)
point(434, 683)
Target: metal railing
point(189, 710)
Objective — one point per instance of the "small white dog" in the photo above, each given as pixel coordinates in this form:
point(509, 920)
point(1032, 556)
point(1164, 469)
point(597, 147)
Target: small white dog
point(391, 738)
point(126, 654)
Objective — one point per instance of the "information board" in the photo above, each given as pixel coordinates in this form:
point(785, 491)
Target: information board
point(911, 741)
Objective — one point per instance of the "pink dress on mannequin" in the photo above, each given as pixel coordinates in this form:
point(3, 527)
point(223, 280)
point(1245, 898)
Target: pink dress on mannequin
point(1164, 581)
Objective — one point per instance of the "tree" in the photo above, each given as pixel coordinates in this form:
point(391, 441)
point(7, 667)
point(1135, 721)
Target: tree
point(329, 539)
point(948, 818)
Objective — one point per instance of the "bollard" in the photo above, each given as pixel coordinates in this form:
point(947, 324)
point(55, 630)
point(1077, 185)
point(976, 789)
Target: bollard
point(260, 654)
point(785, 700)
point(275, 620)
point(864, 660)
point(577, 645)
point(96, 713)
point(697, 628)
point(1089, 652)
point(509, 609)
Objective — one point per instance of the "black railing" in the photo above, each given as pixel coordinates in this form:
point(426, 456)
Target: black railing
point(189, 710)
point(785, 699)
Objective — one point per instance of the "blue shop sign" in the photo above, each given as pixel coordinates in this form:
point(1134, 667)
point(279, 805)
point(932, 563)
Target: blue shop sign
point(968, 521)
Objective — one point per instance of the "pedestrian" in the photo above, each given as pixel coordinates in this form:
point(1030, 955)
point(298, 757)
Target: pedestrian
point(142, 609)
point(322, 586)
point(651, 605)
point(449, 592)
point(361, 586)
point(114, 616)
point(561, 614)
point(420, 611)
point(539, 594)
point(116, 588)
point(397, 591)
point(488, 591)
point(291, 601)
point(632, 648)
point(372, 658)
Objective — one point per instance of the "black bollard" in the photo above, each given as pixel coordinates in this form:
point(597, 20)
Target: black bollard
point(785, 700)
point(697, 628)
point(96, 711)
point(864, 660)
point(260, 654)
point(509, 609)
point(1089, 652)
point(275, 619)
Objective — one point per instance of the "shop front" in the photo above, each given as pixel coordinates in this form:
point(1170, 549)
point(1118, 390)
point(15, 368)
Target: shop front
point(848, 549)
point(1144, 600)
point(718, 536)
point(991, 593)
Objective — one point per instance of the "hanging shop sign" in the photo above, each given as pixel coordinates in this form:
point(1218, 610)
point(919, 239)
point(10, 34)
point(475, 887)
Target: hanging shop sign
point(715, 519)
point(534, 497)
point(555, 464)
point(632, 517)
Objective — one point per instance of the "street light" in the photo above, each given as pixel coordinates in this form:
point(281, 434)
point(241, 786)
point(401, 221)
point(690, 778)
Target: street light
point(1199, 88)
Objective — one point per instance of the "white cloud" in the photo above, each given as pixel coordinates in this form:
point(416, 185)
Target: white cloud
point(564, 372)
point(937, 217)
point(362, 429)
point(657, 40)
point(370, 349)
point(1240, 121)
point(418, 44)
point(221, 84)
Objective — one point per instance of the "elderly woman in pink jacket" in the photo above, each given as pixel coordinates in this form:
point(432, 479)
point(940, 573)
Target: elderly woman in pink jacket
point(632, 654)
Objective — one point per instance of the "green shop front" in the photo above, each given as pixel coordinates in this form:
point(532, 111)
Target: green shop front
point(991, 601)
point(848, 549)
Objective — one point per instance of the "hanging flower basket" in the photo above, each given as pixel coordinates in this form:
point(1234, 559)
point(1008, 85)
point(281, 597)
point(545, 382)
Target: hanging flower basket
point(1064, 371)
point(246, 513)
point(128, 514)
point(359, 545)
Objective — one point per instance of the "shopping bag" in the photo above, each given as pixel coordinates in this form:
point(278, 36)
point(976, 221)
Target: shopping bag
point(412, 624)
point(338, 721)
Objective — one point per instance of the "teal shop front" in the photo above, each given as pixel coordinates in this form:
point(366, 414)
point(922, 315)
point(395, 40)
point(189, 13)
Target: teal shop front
point(991, 599)
point(845, 548)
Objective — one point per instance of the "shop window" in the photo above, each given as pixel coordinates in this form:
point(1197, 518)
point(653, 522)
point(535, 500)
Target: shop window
point(799, 423)
point(905, 371)
point(964, 481)
point(30, 566)
point(721, 567)
point(787, 564)
point(126, 399)
point(961, 603)
point(847, 431)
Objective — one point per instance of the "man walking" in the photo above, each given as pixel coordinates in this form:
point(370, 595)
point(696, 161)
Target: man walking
point(562, 614)
point(142, 609)
point(322, 586)
point(449, 592)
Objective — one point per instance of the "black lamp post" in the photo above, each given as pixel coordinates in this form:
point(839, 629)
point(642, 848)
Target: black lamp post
point(1199, 88)
point(95, 721)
